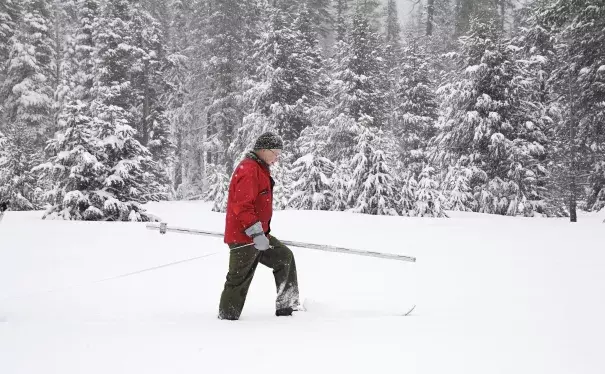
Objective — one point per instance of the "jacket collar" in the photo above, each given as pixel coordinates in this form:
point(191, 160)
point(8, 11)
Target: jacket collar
point(253, 156)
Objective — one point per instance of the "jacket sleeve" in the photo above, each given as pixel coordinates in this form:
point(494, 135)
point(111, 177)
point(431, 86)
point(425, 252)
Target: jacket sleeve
point(245, 192)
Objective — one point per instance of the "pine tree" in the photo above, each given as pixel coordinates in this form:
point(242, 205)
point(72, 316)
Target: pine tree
point(10, 14)
point(342, 11)
point(407, 199)
point(320, 16)
point(392, 26)
point(125, 180)
point(112, 86)
point(18, 157)
point(73, 166)
point(372, 187)
point(579, 81)
point(30, 71)
point(218, 187)
point(80, 73)
point(150, 89)
point(98, 170)
point(128, 181)
point(428, 197)
point(186, 90)
point(28, 99)
point(360, 74)
point(340, 182)
point(459, 193)
point(392, 55)
point(225, 34)
point(311, 187)
point(370, 10)
point(498, 130)
point(467, 10)
point(416, 115)
point(290, 66)
point(281, 173)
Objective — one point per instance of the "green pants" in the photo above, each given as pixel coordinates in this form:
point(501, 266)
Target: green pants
point(242, 265)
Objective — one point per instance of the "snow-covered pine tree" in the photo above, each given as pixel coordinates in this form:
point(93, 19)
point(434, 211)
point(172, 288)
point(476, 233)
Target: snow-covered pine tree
point(281, 172)
point(218, 187)
point(440, 39)
point(341, 9)
point(80, 71)
point(311, 187)
point(287, 82)
point(392, 55)
point(467, 10)
point(112, 86)
point(370, 10)
point(10, 14)
point(392, 29)
point(73, 167)
point(19, 155)
point(340, 182)
point(429, 201)
point(29, 79)
point(416, 114)
point(28, 98)
point(580, 78)
point(534, 47)
point(459, 195)
point(407, 193)
point(77, 65)
point(320, 16)
point(128, 182)
point(184, 75)
point(125, 181)
point(224, 46)
point(359, 74)
point(150, 90)
point(372, 188)
point(496, 131)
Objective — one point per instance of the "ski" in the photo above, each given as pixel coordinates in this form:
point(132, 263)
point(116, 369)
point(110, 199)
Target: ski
point(409, 311)
point(324, 309)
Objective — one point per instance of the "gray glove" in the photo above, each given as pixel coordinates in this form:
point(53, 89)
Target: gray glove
point(258, 236)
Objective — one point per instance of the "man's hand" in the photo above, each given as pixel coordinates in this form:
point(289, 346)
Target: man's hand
point(261, 242)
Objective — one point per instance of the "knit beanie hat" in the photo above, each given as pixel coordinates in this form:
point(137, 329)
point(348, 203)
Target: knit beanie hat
point(268, 140)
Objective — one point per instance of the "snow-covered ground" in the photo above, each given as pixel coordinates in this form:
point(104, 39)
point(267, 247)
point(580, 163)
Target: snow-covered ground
point(493, 295)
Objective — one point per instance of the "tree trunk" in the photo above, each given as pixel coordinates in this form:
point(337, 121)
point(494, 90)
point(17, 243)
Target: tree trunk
point(572, 159)
point(179, 167)
point(430, 10)
point(457, 17)
point(144, 129)
point(502, 13)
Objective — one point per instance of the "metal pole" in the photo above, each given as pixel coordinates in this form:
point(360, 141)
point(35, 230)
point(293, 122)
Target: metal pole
point(163, 228)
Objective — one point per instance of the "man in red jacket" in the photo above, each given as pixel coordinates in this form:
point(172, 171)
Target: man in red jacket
point(247, 228)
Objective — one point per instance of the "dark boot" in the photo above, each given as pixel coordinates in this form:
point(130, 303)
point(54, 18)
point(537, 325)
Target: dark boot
point(284, 312)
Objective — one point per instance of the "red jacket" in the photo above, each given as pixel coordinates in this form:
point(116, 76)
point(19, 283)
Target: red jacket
point(250, 199)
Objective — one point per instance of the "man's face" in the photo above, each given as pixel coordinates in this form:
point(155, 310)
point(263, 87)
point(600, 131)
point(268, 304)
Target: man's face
point(270, 156)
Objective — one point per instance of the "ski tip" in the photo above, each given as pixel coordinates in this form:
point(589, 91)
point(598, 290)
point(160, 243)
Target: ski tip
point(410, 311)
